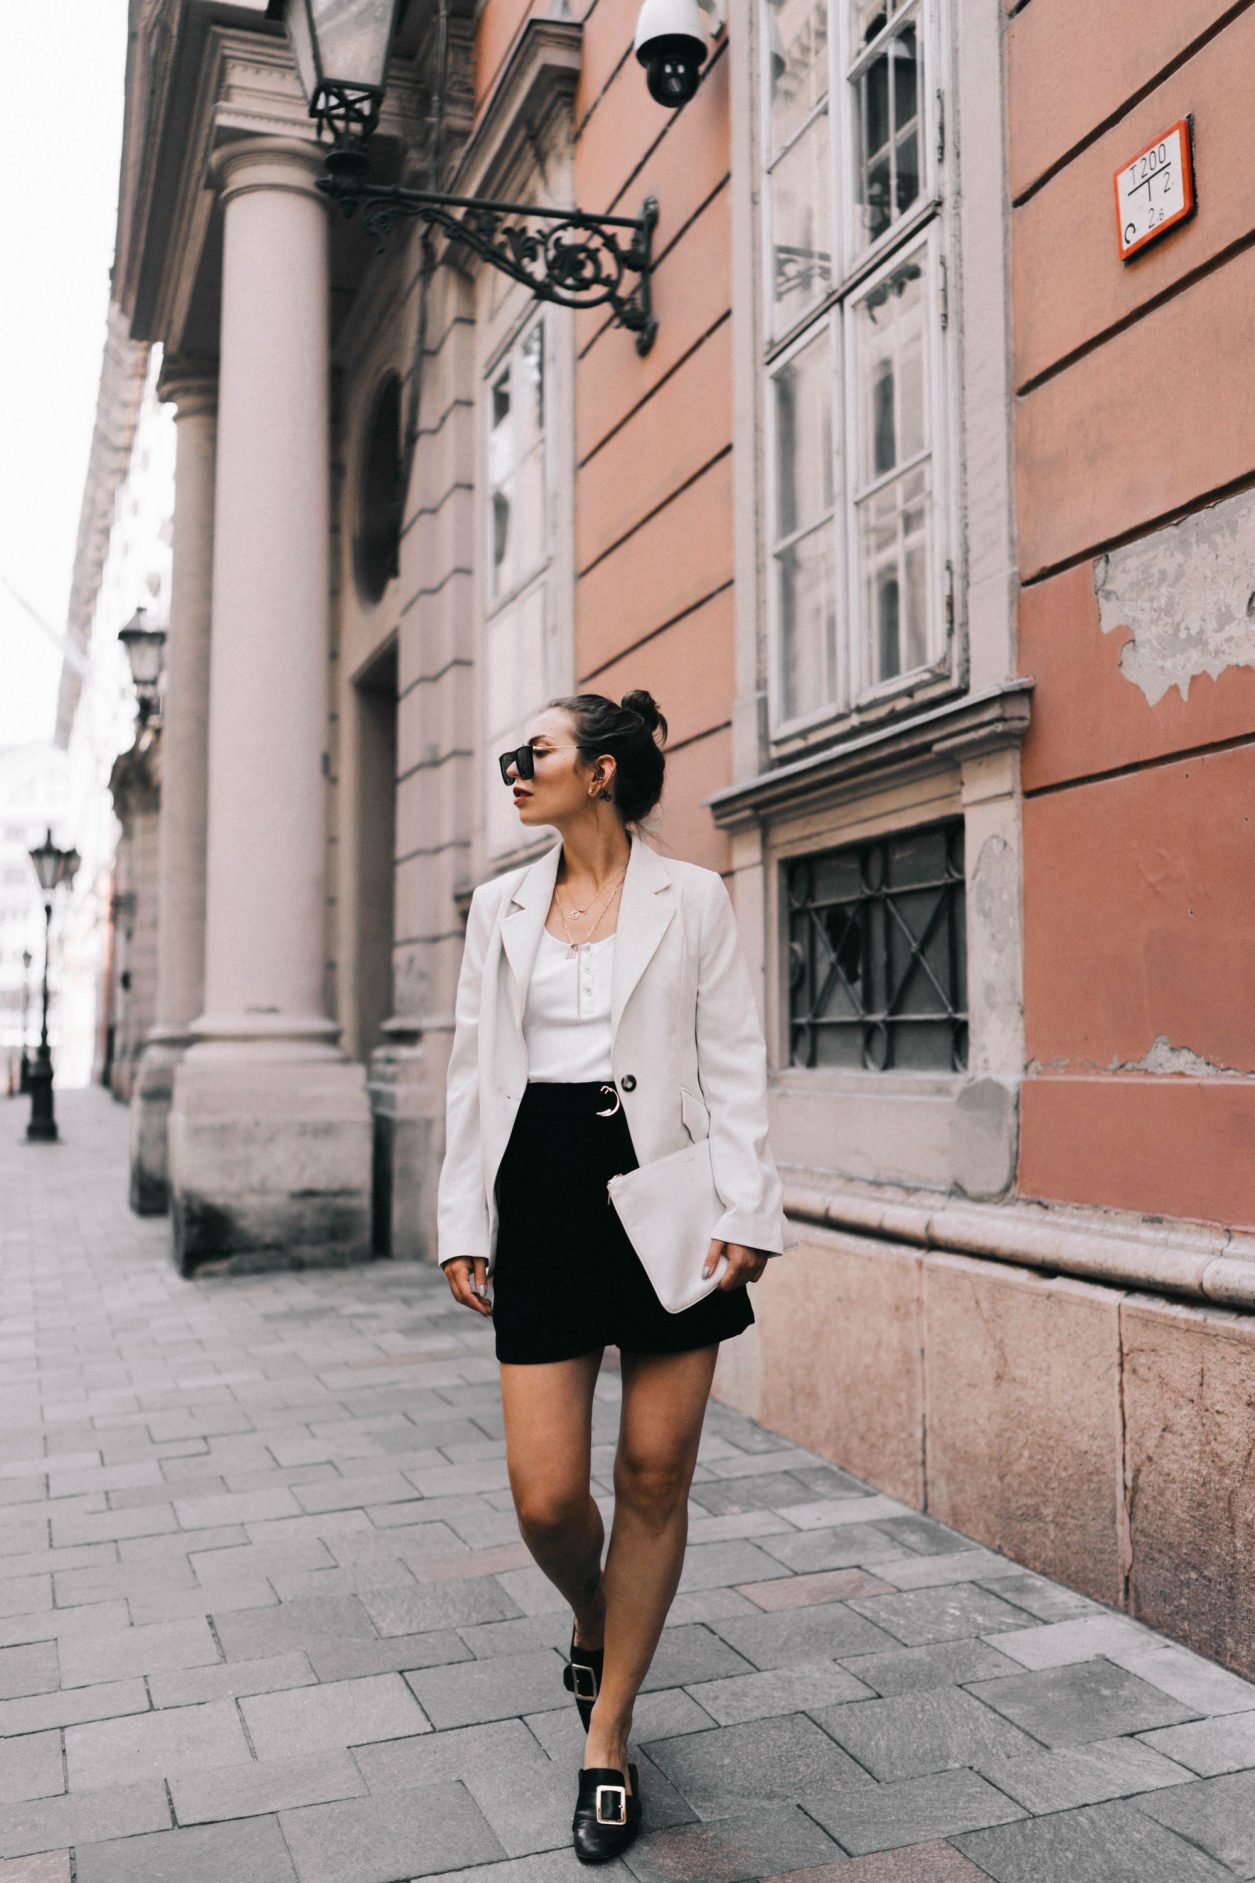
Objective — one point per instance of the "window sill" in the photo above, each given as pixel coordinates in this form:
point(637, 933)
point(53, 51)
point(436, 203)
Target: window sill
point(959, 729)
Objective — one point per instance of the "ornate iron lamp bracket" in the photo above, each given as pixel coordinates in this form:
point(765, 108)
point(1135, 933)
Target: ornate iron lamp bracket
point(576, 260)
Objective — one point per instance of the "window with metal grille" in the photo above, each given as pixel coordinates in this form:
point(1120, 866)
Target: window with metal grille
point(877, 954)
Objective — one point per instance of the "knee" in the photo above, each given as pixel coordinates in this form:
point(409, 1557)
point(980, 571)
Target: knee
point(656, 1487)
point(547, 1512)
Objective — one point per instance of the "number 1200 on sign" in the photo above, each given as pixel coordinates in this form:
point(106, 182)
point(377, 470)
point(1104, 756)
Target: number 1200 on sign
point(1155, 190)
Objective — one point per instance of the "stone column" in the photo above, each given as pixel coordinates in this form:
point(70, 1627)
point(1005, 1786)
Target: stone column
point(270, 1125)
point(184, 746)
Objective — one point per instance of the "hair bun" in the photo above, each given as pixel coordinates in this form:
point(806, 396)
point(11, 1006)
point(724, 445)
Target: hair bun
point(646, 707)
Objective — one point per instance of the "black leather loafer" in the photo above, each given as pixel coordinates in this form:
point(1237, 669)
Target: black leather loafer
point(582, 1677)
point(607, 1816)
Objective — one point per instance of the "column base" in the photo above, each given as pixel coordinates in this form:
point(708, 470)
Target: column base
point(270, 1164)
point(150, 1114)
point(407, 1169)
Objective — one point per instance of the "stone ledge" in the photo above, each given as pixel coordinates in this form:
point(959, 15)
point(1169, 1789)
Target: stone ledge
point(1197, 1261)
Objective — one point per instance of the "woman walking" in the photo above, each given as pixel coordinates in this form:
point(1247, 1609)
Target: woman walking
point(605, 1018)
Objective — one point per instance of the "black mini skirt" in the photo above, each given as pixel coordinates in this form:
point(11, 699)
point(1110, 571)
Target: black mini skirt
point(566, 1279)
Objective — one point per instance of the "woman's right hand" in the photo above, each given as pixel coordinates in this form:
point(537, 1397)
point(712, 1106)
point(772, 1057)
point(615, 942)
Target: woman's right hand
point(467, 1274)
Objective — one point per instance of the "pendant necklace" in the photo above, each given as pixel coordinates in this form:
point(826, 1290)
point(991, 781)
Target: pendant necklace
point(575, 946)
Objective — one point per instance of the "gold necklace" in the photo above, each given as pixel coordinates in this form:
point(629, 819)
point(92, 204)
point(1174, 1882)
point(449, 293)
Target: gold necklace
point(575, 946)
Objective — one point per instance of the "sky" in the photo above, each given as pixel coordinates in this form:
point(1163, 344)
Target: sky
point(60, 143)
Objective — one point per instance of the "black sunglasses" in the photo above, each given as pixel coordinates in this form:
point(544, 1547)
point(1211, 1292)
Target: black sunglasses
point(523, 758)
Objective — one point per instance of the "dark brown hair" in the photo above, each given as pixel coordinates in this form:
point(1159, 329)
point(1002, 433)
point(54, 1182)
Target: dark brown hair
point(627, 731)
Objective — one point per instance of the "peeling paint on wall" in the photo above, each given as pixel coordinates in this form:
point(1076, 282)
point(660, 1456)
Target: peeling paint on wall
point(1187, 597)
point(1165, 1057)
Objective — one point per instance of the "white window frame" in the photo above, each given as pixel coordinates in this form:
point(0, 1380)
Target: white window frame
point(544, 575)
point(928, 225)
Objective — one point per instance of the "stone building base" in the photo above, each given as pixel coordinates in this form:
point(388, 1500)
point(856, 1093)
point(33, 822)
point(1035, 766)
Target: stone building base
point(151, 1094)
point(406, 1165)
point(1097, 1434)
point(270, 1164)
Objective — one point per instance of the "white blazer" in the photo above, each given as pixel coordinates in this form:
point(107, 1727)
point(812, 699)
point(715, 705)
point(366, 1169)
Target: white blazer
point(687, 1047)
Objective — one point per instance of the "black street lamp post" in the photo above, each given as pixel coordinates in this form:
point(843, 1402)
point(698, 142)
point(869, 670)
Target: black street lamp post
point(567, 256)
point(52, 866)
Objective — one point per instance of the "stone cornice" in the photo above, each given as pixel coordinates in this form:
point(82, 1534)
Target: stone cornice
point(539, 79)
point(945, 735)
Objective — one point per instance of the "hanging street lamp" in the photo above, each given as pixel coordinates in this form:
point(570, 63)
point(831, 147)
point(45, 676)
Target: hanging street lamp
point(341, 48)
point(144, 647)
point(53, 867)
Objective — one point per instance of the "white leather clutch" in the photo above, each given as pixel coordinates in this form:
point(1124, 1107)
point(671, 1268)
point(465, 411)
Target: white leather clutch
point(669, 1209)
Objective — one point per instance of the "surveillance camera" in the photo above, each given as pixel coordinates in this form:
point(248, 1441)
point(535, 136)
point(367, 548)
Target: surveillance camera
point(671, 45)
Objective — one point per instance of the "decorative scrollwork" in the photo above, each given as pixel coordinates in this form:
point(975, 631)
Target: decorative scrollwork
point(577, 261)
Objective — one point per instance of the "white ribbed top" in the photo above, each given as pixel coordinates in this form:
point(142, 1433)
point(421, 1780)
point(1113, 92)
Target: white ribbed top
point(562, 1046)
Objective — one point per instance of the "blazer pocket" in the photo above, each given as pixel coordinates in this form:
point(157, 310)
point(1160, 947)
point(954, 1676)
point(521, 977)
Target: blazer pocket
point(694, 1114)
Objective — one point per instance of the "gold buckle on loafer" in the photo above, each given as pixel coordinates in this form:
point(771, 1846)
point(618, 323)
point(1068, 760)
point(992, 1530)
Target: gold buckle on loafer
point(622, 1793)
point(590, 1675)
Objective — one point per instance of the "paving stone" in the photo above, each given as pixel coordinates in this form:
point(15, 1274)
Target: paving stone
point(917, 1733)
point(412, 1608)
point(230, 1680)
point(768, 1490)
point(917, 1863)
point(178, 1644)
point(470, 1692)
point(342, 1713)
point(1112, 1843)
point(153, 1745)
point(660, 1715)
point(1208, 1747)
point(732, 1850)
point(803, 1592)
point(802, 1686)
point(694, 1651)
point(830, 1630)
point(27, 1670)
point(252, 1789)
point(401, 1834)
point(1196, 1683)
point(1057, 1644)
point(1088, 1700)
point(734, 1768)
point(399, 1654)
point(1081, 1775)
point(979, 1567)
point(745, 1523)
point(939, 1614)
point(252, 1849)
point(1218, 1814)
point(51, 1867)
point(1049, 1601)
point(30, 1767)
point(23, 1594)
point(81, 1817)
point(942, 1664)
point(719, 1565)
point(42, 1710)
point(843, 1546)
point(866, 1817)
point(504, 1747)
point(706, 1605)
point(250, 1634)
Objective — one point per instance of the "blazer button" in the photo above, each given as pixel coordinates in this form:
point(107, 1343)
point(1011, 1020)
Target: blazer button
point(627, 1083)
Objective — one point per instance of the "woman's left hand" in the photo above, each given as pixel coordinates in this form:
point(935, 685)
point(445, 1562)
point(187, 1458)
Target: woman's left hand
point(744, 1265)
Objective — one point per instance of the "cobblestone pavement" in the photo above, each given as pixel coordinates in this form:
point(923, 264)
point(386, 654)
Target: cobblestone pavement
point(265, 1615)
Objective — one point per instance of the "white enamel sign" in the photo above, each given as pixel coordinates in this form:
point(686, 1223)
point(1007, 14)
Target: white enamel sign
point(1155, 189)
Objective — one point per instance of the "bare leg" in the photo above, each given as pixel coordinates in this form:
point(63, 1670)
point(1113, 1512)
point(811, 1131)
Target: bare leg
point(664, 1404)
point(548, 1427)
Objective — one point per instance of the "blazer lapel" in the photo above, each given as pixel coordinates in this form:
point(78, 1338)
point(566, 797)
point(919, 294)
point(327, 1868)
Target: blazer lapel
point(522, 922)
point(646, 906)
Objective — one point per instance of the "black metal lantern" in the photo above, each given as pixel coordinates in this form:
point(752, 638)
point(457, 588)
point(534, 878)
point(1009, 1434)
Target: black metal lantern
point(52, 866)
point(144, 646)
point(341, 49)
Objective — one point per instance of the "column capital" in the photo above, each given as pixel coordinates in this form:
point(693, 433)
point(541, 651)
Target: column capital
point(268, 163)
point(190, 385)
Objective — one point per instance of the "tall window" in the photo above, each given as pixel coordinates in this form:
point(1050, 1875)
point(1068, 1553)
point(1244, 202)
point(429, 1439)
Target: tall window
point(854, 287)
point(520, 668)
